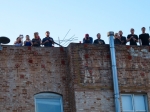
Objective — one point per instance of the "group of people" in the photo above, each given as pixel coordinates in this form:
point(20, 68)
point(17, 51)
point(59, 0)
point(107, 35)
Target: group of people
point(36, 41)
point(143, 38)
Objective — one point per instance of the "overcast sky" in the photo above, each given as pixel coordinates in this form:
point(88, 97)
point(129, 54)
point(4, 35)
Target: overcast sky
point(81, 16)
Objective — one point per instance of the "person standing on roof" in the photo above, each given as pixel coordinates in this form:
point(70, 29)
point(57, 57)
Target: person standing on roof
point(144, 38)
point(27, 42)
point(132, 38)
point(87, 39)
point(47, 41)
point(99, 40)
point(36, 41)
point(122, 38)
point(18, 42)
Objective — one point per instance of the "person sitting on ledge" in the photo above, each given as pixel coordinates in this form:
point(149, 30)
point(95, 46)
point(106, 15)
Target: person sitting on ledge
point(99, 40)
point(36, 41)
point(48, 41)
point(18, 42)
point(27, 42)
point(87, 39)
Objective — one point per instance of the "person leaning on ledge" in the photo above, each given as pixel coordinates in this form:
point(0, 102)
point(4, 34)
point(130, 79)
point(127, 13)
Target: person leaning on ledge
point(87, 39)
point(144, 38)
point(47, 41)
point(117, 39)
point(18, 42)
point(36, 41)
point(132, 38)
point(99, 40)
point(122, 38)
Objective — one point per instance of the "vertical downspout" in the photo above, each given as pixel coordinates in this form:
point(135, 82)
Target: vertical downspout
point(114, 71)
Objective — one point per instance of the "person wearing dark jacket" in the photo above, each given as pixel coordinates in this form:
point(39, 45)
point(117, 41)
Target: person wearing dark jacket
point(87, 39)
point(99, 40)
point(48, 41)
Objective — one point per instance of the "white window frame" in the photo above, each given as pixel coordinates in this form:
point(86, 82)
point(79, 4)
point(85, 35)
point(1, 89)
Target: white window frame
point(132, 96)
point(48, 95)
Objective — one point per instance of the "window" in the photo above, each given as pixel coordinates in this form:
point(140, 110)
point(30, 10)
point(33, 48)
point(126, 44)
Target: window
point(48, 102)
point(134, 103)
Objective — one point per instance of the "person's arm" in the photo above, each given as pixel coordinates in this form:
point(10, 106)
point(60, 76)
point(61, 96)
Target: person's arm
point(21, 43)
point(83, 40)
point(124, 41)
point(40, 42)
point(140, 41)
point(115, 42)
point(91, 40)
point(103, 42)
point(15, 42)
point(25, 42)
point(95, 42)
point(149, 37)
point(128, 38)
point(32, 42)
point(52, 41)
point(136, 38)
point(44, 41)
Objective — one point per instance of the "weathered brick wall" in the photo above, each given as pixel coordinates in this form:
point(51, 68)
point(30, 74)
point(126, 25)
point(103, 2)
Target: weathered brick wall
point(26, 71)
point(91, 72)
point(133, 64)
point(81, 73)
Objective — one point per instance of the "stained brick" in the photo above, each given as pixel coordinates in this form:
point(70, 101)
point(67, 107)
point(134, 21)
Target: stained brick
point(82, 75)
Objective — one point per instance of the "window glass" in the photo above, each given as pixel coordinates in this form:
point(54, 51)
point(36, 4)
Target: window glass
point(139, 102)
point(48, 102)
point(127, 103)
point(134, 103)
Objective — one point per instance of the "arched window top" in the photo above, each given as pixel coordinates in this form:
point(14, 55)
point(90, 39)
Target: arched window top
point(45, 102)
point(47, 95)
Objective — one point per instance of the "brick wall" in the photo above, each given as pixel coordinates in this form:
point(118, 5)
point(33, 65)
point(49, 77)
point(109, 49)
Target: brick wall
point(91, 72)
point(26, 71)
point(91, 69)
point(133, 64)
point(80, 72)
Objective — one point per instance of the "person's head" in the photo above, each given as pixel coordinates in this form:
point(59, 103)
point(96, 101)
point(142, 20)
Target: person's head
point(86, 35)
point(98, 36)
point(116, 35)
point(120, 33)
point(132, 31)
point(143, 29)
point(47, 33)
point(18, 39)
point(27, 37)
point(36, 35)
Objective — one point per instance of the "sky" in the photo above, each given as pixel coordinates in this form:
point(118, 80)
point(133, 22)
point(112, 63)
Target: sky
point(76, 16)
